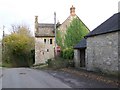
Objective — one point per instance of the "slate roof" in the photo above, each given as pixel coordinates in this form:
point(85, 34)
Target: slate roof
point(45, 29)
point(81, 44)
point(110, 25)
point(44, 25)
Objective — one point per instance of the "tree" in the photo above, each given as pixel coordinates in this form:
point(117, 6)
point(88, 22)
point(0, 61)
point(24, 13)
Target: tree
point(59, 39)
point(23, 29)
point(18, 46)
point(75, 32)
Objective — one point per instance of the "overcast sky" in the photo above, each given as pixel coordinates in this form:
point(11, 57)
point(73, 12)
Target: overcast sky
point(91, 12)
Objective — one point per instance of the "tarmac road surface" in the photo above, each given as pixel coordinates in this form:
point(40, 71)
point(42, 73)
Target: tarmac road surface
point(32, 78)
point(29, 78)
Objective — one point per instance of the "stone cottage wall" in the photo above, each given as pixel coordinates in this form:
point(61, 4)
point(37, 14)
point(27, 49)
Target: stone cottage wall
point(77, 58)
point(119, 50)
point(43, 51)
point(102, 53)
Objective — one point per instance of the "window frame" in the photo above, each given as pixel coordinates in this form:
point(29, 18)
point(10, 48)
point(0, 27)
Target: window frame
point(51, 41)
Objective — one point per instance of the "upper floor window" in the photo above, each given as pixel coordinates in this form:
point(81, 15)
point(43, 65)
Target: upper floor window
point(44, 40)
point(50, 41)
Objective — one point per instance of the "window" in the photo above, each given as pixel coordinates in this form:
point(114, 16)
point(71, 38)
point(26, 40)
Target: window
point(47, 50)
point(50, 41)
point(44, 40)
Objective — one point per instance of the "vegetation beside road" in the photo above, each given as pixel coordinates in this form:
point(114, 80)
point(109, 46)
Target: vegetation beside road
point(18, 47)
point(57, 63)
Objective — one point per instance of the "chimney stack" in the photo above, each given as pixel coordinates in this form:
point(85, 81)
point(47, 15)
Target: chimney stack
point(36, 19)
point(72, 11)
point(36, 24)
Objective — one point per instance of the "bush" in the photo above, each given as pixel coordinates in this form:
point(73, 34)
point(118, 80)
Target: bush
point(48, 62)
point(67, 53)
point(60, 63)
point(18, 52)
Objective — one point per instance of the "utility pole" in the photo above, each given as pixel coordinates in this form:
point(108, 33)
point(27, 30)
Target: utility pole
point(3, 31)
point(55, 31)
point(3, 46)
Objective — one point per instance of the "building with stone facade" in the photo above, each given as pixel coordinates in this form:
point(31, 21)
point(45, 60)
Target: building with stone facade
point(44, 41)
point(45, 37)
point(101, 47)
point(63, 27)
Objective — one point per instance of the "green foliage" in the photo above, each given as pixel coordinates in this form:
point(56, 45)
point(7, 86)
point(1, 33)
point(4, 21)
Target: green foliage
point(67, 53)
point(17, 48)
point(59, 39)
point(48, 61)
point(60, 63)
point(75, 32)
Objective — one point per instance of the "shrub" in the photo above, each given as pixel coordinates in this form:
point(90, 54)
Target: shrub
point(18, 51)
point(68, 53)
point(48, 62)
point(60, 63)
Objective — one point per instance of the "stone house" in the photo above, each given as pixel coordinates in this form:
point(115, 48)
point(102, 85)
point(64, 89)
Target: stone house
point(45, 37)
point(63, 27)
point(102, 47)
point(44, 41)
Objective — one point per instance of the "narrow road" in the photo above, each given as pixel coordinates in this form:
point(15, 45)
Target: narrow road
point(29, 78)
point(83, 82)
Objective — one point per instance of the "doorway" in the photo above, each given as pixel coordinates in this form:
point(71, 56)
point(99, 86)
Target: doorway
point(82, 57)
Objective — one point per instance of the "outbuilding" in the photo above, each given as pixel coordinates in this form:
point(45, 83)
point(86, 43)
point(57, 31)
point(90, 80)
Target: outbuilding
point(100, 50)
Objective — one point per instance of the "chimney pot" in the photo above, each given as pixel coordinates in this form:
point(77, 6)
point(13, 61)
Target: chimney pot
point(72, 11)
point(36, 24)
point(36, 19)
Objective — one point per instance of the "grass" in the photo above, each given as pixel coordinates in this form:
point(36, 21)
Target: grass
point(40, 66)
point(6, 65)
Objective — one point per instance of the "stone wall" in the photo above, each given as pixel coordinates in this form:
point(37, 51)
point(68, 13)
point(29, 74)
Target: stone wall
point(43, 51)
point(102, 53)
point(119, 50)
point(77, 58)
